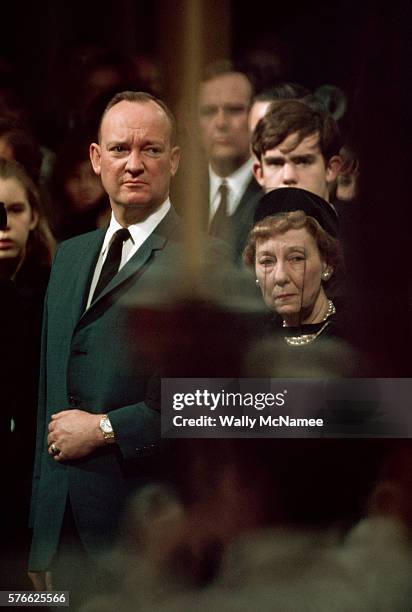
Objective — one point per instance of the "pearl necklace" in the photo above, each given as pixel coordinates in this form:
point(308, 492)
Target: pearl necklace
point(303, 339)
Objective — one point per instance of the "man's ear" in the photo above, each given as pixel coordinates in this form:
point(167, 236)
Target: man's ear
point(174, 160)
point(95, 157)
point(258, 172)
point(333, 168)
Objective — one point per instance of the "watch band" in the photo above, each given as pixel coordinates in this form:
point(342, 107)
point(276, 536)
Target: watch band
point(106, 428)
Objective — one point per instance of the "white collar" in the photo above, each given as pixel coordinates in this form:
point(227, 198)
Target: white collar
point(237, 181)
point(138, 231)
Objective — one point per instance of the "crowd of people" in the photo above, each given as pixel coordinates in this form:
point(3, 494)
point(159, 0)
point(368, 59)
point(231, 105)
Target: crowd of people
point(237, 524)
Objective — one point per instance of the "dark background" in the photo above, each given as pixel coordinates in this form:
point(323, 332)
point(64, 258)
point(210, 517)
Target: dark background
point(321, 41)
point(365, 48)
point(317, 41)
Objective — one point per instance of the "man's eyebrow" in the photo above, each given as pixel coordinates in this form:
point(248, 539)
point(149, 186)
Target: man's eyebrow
point(228, 106)
point(207, 107)
point(272, 157)
point(303, 157)
point(235, 106)
point(125, 142)
point(116, 141)
point(153, 141)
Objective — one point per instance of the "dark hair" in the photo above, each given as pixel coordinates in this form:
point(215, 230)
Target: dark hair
point(223, 67)
point(217, 68)
point(329, 247)
point(282, 91)
point(285, 117)
point(73, 150)
point(40, 243)
point(142, 97)
point(94, 59)
point(67, 221)
point(25, 148)
point(350, 161)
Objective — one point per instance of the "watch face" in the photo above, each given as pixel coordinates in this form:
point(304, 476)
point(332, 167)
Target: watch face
point(106, 426)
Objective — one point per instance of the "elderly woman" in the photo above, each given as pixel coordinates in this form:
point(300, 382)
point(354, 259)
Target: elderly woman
point(295, 253)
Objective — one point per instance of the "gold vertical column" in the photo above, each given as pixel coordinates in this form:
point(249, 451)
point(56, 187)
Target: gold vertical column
point(192, 185)
point(192, 33)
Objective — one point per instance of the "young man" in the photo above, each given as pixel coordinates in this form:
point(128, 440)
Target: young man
point(296, 144)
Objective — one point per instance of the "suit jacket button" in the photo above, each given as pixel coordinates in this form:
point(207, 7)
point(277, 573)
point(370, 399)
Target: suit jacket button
point(73, 401)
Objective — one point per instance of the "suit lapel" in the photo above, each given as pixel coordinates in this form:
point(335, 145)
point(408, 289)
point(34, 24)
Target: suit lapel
point(243, 216)
point(155, 241)
point(246, 206)
point(84, 265)
point(248, 201)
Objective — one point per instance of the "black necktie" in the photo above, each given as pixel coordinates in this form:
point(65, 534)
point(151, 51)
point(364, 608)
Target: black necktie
point(112, 261)
point(220, 226)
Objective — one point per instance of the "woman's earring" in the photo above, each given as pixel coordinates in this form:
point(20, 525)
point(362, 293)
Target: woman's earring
point(326, 275)
point(257, 281)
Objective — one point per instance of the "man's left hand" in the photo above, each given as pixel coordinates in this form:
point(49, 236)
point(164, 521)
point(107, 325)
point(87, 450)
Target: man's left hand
point(74, 434)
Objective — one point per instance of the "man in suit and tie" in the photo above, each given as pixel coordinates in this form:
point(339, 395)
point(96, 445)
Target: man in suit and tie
point(96, 434)
point(224, 102)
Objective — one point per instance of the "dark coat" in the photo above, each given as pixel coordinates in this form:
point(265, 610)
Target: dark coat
point(92, 361)
point(241, 220)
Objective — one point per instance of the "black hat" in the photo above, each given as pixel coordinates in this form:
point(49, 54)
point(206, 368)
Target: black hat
point(286, 199)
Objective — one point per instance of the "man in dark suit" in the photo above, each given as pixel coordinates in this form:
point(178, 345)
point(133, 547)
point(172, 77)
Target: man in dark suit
point(96, 434)
point(224, 102)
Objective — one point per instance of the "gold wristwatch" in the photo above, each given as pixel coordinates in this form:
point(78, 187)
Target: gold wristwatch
point(106, 429)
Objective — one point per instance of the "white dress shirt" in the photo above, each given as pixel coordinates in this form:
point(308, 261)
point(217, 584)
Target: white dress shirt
point(139, 232)
point(236, 182)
